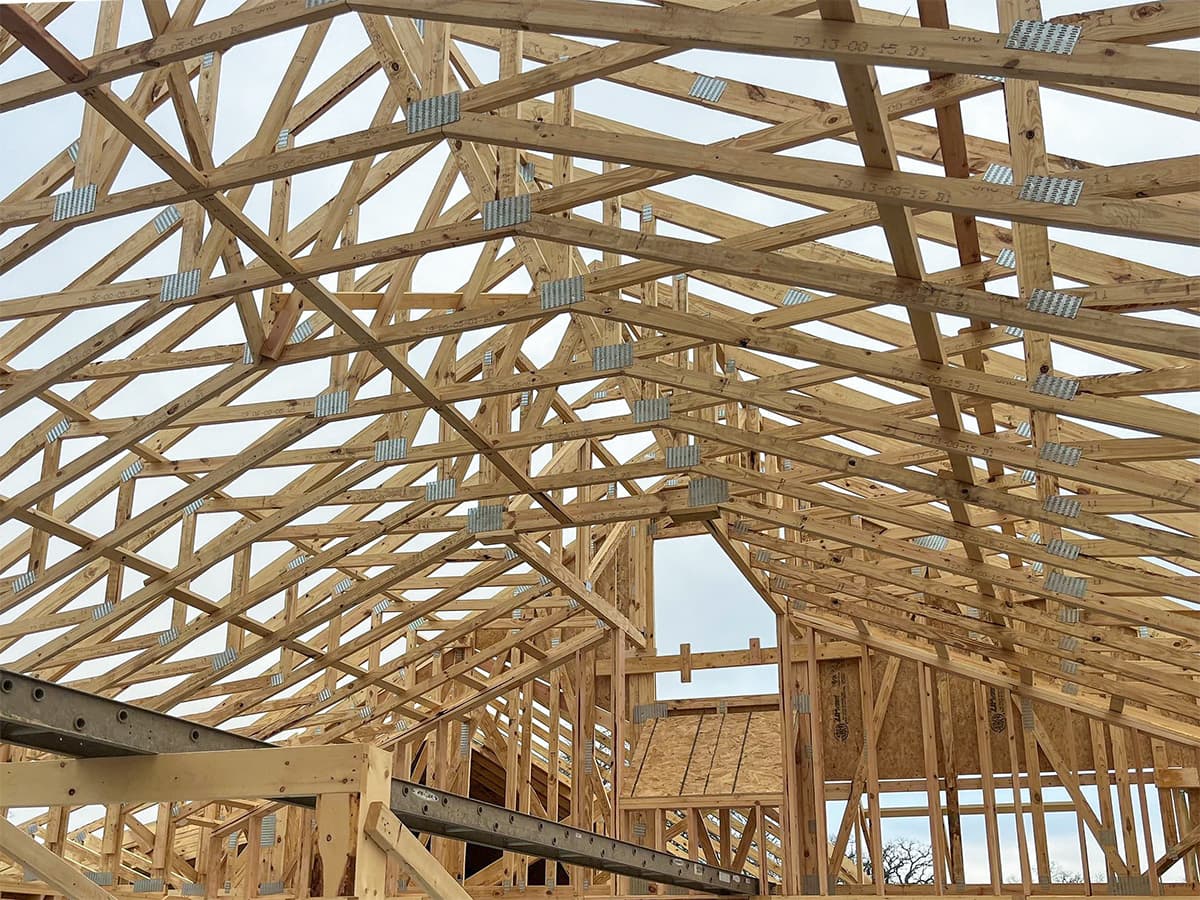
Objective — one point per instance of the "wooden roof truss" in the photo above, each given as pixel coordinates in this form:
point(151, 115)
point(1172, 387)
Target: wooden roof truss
point(324, 478)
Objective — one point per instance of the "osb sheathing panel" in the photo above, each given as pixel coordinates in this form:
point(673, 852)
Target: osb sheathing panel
point(728, 755)
point(740, 753)
point(638, 760)
point(709, 756)
point(700, 764)
point(667, 757)
point(760, 771)
point(898, 745)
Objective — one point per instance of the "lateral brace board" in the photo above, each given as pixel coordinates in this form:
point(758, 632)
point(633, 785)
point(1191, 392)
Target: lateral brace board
point(45, 716)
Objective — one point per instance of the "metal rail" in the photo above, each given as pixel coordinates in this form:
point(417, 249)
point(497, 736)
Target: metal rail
point(47, 716)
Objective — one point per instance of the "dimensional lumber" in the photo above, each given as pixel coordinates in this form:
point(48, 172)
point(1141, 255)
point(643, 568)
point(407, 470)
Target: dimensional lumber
point(47, 716)
point(367, 366)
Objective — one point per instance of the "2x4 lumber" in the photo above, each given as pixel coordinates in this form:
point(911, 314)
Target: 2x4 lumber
point(155, 514)
point(380, 674)
point(49, 866)
point(891, 448)
point(179, 44)
point(1177, 851)
point(276, 772)
point(1030, 240)
point(392, 835)
point(361, 593)
point(501, 684)
point(1164, 421)
point(142, 537)
point(215, 286)
point(932, 485)
point(1078, 263)
point(1137, 23)
point(924, 523)
point(89, 166)
point(1125, 684)
point(228, 215)
point(1111, 215)
point(170, 733)
point(1061, 764)
point(959, 664)
point(551, 568)
point(211, 553)
point(1092, 62)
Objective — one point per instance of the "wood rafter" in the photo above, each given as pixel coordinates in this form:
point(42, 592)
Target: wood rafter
point(392, 470)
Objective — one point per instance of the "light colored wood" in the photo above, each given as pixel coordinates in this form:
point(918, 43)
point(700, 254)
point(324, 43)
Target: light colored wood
point(283, 772)
point(358, 604)
point(387, 831)
point(47, 865)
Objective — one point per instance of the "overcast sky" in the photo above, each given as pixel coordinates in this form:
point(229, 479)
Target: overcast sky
point(701, 598)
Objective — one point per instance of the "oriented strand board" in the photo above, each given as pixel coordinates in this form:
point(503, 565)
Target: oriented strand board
point(696, 780)
point(639, 756)
point(667, 758)
point(761, 771)
point(708, 756)
point(728, 755)
point(739, 753)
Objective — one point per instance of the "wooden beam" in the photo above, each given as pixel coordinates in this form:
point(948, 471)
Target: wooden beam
point(391, 834)
point(47, 865)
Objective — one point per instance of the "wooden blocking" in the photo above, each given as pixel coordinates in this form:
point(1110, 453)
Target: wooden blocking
point(280, 317)
point(700, 514)
point(347, 861)
point(704, 498)
point(1185, 777)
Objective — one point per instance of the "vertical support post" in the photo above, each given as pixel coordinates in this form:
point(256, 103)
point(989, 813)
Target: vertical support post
point(339, 364)
point(164, 833)
point(525, 773)
point(564, 171)
point(192, 229)
point(1014, 764)
point(620, 714)
point(937, 836)
point(817, 827)
point(871, 720)
point(512, 55)
point(40, 540)
point(348, 862)
point(113, 842)
point(945, 730)
point(437, 78)
point(791, 818)
point(1121, 765)
point(238, 585)
point(1033, 774)
point(987, 785)
point(187, 549)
